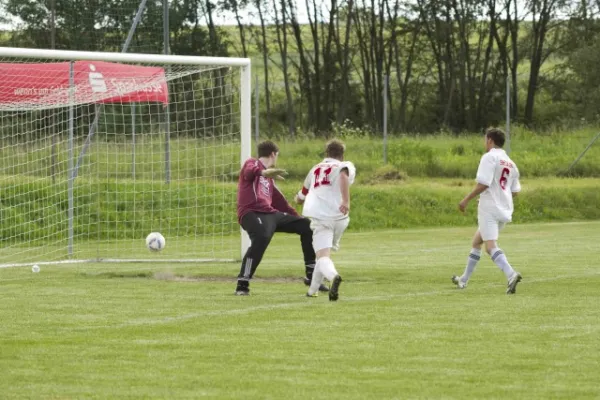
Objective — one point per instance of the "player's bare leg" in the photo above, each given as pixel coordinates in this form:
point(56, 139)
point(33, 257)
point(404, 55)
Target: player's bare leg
point(499, 258)
point(472, 260)
point(477, 241)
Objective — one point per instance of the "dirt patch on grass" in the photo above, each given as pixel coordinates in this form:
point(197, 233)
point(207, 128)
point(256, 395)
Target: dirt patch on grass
point(172, 277)
point(169, 276)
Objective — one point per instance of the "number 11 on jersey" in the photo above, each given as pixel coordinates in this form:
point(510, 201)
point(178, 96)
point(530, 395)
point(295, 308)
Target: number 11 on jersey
point(325, 180)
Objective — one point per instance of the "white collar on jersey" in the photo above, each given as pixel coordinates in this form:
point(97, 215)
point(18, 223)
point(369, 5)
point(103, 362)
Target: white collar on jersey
point(497, 149)
point(331, 160)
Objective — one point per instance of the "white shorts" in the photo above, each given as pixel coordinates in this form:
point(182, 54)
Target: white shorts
point(327, 234)
point(489, 226)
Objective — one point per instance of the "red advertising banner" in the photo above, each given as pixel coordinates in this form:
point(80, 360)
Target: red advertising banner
point(47, 84)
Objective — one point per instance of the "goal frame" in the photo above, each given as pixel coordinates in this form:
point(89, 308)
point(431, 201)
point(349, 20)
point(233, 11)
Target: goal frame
point(245, 113)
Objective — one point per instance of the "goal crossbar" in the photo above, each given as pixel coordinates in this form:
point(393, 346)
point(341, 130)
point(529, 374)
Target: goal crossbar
point(67, 55)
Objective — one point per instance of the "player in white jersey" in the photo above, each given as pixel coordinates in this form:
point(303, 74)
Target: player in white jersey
point(326, 199)
point(497, 184)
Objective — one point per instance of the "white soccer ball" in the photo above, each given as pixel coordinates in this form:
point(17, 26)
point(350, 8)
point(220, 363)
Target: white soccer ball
point(35, 268)
point(155, 241)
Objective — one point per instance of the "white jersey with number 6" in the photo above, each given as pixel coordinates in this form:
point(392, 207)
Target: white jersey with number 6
point(501, 175)
point(322, 189)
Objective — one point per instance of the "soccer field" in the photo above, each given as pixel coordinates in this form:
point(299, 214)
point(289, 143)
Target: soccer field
point(400, 329)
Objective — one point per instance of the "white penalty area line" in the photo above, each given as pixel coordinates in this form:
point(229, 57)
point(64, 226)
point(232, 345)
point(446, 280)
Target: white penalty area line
point(121, 261)
point(310, 302)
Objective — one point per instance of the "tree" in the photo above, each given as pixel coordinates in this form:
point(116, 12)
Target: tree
point(542, 14)
point(303, 68)
point(282, 42)
point(236, 6)
point(405, 34)
point(343, 54)
point(369, 23)
point(263, 45)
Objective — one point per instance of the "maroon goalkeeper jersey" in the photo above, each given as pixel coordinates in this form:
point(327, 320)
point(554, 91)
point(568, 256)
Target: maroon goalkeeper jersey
point(257, 193)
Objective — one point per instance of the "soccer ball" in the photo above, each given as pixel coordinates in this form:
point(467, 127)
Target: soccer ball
point(155, 241)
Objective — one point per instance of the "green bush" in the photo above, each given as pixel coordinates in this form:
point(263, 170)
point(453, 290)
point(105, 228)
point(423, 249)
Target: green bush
point(36, 212)
point(388, 173)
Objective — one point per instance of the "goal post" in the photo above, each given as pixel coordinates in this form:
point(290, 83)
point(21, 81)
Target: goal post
point(246, 141)
point(89, 166)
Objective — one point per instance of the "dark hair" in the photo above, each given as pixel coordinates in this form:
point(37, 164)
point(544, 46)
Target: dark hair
point(497, 135)
point(266, 148)
point(335, 149)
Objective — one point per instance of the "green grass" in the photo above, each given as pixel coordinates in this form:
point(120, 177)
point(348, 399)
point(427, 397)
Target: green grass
point(433, 156)
point(399, 330)
point(451, 156)
point(34, 213)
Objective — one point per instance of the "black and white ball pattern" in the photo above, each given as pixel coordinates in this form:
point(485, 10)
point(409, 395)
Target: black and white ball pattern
point(155, 241)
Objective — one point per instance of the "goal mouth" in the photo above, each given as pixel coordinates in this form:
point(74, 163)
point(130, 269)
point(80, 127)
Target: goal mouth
point(100, 149)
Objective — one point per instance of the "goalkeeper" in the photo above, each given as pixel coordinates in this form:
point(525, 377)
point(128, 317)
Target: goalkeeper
point(263, 210)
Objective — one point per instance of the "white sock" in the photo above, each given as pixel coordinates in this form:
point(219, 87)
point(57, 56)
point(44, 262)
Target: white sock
point(500, 260)
point(472, 261)
point(327, 268)
point(317, 278)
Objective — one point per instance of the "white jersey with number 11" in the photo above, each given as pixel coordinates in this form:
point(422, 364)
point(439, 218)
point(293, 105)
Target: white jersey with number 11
point(322, 189)
point(501, 175)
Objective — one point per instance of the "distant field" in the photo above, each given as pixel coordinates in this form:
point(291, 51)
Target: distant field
point(433, 156)
point(448, 156)
point(400, 330)
point(420, 187)
point(199, 219)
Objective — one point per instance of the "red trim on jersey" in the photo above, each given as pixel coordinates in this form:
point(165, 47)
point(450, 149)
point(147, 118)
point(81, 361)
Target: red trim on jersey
point(304, 191)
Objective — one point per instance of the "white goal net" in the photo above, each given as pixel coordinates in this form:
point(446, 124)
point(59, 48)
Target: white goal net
point(99, 149)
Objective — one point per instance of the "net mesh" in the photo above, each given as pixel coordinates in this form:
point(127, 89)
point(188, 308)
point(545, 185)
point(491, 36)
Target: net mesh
point(126, 149)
